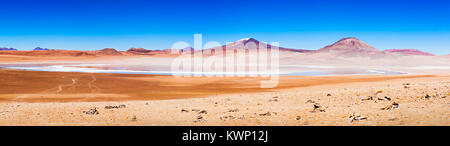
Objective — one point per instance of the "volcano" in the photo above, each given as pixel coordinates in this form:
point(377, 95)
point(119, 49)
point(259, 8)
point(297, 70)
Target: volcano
point(255, 45)
point(351, 44)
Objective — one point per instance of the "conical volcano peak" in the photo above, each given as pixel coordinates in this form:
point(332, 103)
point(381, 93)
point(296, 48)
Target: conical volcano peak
point(349, 43)
point(246, 40)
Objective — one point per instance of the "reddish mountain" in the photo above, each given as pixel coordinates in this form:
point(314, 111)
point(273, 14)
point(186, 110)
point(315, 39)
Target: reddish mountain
point(350, 44)
point(140, 51)
point(243, 42)
point(408, 52)
point(108, 51)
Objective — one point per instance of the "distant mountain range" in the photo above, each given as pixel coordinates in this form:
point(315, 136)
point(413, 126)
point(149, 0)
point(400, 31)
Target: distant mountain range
point(8, 49)
point(350, 46)
point(40, 49)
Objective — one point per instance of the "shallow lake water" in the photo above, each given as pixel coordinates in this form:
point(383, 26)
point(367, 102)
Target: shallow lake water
point(164, 70)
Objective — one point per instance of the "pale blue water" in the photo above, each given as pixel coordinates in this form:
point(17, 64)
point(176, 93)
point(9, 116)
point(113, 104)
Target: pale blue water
point(125, 70)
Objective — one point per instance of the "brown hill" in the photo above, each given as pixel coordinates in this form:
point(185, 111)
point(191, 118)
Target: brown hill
point(408, 52)
point(140, 51)
point(49, 53)
point(108, 52)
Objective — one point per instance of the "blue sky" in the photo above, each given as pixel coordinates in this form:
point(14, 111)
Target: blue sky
point(303, 24)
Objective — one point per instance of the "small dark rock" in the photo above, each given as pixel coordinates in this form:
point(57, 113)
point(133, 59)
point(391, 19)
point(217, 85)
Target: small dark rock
point(91, 111)
point(200, 119)
point(233, 110)
point(273, 100)
point(394, 105)
point(356, 118)
point(203, 112)
point(369, 98)
point(316, 108)
point(265, 114)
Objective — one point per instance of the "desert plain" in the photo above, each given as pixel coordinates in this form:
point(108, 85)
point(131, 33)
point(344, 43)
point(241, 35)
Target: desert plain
point(418, 95)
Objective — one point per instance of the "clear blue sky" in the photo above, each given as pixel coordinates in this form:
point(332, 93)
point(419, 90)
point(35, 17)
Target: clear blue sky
point(303, 24)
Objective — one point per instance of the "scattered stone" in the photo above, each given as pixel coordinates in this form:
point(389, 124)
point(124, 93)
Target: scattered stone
point(233, 110)
point(275, 97)
point(393, 119)
point(369, 98)
point(328, 94)
point(134, 119)
point(427, 96)
point(200, 119)
point(356, 118)
point(146, 103)
point(317, 107)
point(227, 118)
point(310, 101)
point(195, 110)
point(394, 105)
point(183, 110)
point(203, 112)
point(265, 114)
point(298, 118)
point(224, 118)
point(274, 100)
point(91, 111)
point(117, 107)
point(385, 98)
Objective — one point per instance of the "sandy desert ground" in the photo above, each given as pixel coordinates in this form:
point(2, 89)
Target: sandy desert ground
point(353, 84)
point(63, 98)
